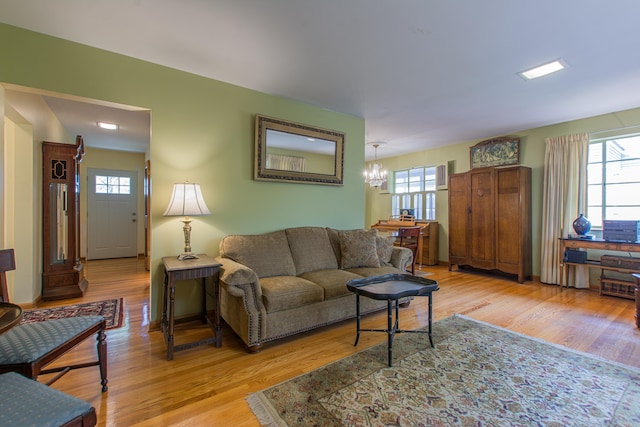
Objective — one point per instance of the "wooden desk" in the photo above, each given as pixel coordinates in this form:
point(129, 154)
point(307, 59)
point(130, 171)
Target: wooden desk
point(176, 270)
point(595, 244)
point(427, 244)
point(429, 240)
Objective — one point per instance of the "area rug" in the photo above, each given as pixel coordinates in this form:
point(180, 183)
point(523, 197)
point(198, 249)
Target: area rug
point(478, 375)
point(112, 310)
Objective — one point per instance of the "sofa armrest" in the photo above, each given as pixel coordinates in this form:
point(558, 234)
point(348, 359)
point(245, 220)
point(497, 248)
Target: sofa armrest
point(401, 258)
point(233, 273)
point(241, 302)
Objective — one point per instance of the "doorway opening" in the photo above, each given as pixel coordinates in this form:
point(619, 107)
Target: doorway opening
point(49, 116)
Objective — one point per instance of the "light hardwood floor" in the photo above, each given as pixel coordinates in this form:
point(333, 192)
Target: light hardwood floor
point(207, 386)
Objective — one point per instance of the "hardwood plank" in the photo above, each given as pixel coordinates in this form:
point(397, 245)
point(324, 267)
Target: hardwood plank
point(208, 385)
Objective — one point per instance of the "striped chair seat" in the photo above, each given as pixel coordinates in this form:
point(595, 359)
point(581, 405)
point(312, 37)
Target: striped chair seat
point(24, 402)
point(29, 347)
point(27, 343)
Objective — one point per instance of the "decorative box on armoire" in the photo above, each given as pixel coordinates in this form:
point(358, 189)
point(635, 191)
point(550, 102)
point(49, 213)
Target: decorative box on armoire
point(63, 275)
point(490, 220)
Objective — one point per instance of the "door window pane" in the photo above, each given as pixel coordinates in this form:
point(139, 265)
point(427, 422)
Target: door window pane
point(112, 185)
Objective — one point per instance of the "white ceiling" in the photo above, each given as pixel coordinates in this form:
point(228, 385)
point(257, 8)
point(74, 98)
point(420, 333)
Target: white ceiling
point(422, 73)
point(81, 118)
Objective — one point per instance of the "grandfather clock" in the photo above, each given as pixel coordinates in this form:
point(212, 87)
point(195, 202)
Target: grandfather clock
point(63, 275)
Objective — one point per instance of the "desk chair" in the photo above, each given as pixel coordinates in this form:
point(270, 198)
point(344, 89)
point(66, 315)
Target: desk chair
point(408, 238)
point(7, 263)
point(28, 348)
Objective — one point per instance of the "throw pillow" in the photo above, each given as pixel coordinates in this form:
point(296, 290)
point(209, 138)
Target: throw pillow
point(267, 254)
point(358, 248)
point(311, 249)
point(384, 246)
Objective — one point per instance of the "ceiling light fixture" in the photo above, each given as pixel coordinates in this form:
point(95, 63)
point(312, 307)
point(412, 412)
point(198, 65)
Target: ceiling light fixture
point(108, 126)
point(374, 175)
point(543, 70)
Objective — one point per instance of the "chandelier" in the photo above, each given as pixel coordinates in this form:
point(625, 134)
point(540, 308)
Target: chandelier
point(374, 175)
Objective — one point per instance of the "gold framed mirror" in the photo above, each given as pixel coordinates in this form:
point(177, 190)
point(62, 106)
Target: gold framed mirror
point(293, 152)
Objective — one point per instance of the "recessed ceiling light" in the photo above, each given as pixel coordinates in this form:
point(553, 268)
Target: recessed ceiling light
point(543, 70)
point(108, 126)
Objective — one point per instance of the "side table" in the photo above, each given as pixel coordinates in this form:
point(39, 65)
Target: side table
point(10, 315)
point(392, 287)
point(176, 270)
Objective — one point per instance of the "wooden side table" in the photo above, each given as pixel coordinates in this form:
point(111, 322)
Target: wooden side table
point(176, 270)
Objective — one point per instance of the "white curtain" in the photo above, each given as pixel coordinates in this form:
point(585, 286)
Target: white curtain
point(564, 198)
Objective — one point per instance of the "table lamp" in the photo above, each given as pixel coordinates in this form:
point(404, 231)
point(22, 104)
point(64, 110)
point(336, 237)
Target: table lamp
point(187, 201)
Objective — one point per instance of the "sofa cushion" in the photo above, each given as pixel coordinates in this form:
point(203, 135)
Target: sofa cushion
point(334, 238)
point(311, 249)
point(381, 271)
point(285, 292)
point(266, 254)
point(358, 249)
point(384, 247)
point(334, 282)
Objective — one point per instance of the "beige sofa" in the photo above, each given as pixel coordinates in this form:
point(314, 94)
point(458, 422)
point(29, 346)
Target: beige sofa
point(278, 284)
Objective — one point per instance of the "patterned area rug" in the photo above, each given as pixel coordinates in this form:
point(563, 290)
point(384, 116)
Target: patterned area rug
point(112, 310)
point(478, 375)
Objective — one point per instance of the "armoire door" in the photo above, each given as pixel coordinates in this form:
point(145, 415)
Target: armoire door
point(482, 219)
point(513, 221)
point(458, 219)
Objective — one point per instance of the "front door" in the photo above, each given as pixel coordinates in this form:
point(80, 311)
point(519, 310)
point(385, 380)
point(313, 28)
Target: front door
point(112, 217)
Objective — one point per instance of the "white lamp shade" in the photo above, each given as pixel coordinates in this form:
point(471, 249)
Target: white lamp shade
point(187, 200)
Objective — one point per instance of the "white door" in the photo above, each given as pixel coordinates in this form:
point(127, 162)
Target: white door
point(112, 217)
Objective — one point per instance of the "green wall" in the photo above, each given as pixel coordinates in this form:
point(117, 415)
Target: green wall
point(202, 131)
point(532, 150)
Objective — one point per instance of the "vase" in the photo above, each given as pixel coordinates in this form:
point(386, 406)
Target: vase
point(581, 225)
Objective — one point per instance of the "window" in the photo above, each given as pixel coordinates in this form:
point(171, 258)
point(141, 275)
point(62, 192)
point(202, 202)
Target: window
point(414, 190)
point(113, 184)
point(613, 179)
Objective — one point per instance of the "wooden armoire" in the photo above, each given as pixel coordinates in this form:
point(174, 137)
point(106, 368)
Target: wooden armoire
point(62, 275)
point(490, 220)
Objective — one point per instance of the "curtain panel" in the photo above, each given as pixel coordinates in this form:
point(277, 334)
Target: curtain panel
point(564, 198)
point(285, 163)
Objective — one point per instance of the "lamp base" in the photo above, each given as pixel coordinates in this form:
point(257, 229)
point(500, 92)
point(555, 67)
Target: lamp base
point(187, 255)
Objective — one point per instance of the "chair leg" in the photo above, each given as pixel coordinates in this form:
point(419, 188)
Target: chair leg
point(413, 264)
point(102, 357)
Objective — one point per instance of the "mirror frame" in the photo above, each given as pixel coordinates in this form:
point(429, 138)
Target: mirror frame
point(261, 173)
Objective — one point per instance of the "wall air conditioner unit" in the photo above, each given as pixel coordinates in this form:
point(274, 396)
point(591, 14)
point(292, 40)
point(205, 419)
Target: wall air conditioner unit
point(442, 176)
